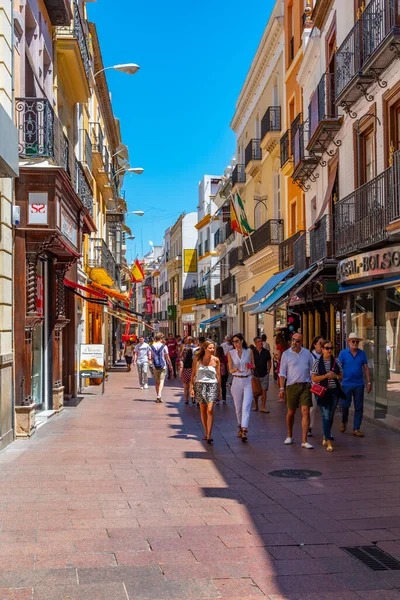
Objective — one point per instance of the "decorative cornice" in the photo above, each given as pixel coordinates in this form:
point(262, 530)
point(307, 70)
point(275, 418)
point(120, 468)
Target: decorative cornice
point(261, 61)
point(266, 259)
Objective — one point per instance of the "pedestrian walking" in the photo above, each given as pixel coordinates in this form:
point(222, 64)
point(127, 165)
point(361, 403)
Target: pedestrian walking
point(241, 363)
point(186, 364)
point(265, 343)
point(316, 351)
point(223, 365)
point(355, 366)
point(281, 346)
point(262, 368)
point(295, 377)
point(206, 385)
point(172, 346)
point(128, 354)
point(160, 361)
point(227, 344)
point(142, 356)
point(327, 372)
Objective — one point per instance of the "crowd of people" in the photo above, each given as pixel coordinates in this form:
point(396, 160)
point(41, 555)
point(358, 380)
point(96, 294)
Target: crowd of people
point(307, 379)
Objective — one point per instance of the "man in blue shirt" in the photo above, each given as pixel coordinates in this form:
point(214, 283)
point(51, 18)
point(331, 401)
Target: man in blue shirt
point(355, 366)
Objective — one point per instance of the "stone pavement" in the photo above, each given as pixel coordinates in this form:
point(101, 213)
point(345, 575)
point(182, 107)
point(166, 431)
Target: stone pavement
point(118, 498)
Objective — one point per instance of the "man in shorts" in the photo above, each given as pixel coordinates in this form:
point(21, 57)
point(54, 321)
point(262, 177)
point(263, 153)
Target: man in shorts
point(295, 373)
point(161, 361)
point(262, 364)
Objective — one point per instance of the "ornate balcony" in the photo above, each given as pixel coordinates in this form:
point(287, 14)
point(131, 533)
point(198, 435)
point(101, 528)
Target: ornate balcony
point(286, 251)
point(301, 253)
point(83, 188)
point(323, 117)
point(217, 291)
point(362, 217)
point(366, 52)
point(102, 264)
point(235, 256)
point(85, 150)
point(238, 175)
point(59, 11)
point(269, 234)
point(252, 156)
point(304, 163)
point(286, 153)
point(271, 128)
point(321, 240)
point(72, 45)
point(190, 292)
point(228, 286)
point(203, 292)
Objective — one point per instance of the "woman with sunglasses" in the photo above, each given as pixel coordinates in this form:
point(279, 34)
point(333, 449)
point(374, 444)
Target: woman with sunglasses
point(241, 363)
point(327, 371)
point(316, 351)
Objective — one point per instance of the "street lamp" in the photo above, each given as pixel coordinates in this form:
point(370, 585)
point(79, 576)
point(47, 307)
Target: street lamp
point(128, 68)
point(126, 169)
point(138, 213)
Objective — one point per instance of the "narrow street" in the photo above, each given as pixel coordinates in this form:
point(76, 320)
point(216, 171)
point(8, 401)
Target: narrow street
point(118, 498)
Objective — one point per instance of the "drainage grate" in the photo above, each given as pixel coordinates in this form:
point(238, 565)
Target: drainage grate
point(296, 473)
point(374, 558)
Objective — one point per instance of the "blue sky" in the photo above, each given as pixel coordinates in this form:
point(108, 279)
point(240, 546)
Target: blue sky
point(175, 112)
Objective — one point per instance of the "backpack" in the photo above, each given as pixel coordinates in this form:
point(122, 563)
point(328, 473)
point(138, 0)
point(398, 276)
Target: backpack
point(158, 358)
point(188, 360)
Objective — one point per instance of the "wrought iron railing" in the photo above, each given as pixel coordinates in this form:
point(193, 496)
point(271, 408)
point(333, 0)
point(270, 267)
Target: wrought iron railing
point(85, 148)
point(286, 253)
point(203, 292)
point(100, 256)
point(228, 286)
point(321, 240)
point(190, 292)
point(238, 175)
point(361, 217)
point(270, 233)
point(299, 142)
point(79, 31)
point(217, 290)
point(228, 229)
point(271, 120)
point(253, 151)
point(97, 138)
point(106, 161)
point(235, 256)
point(301, 253)
point(65, 154)
point(35, 123)
point(322, 105)
point(83, 188)
point(378, 18)
point(285, 147)
point(348, 58)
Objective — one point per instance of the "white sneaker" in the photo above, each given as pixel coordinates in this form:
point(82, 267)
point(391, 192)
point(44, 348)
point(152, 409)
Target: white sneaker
point(307, 446)
point(146, 387)
point(289, 440)
point(141, 387)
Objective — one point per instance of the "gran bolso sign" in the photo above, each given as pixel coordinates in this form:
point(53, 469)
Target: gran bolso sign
point(379, 262)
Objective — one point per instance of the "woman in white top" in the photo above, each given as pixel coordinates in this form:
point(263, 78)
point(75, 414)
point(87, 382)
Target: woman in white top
point(241, 363)
point(205, 385)
point(316, 351)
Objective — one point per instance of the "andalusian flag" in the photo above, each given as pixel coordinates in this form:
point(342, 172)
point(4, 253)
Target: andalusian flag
point(246, 229)
point(137, 271)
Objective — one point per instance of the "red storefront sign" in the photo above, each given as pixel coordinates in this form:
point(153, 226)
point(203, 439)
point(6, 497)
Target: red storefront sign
point(149, 300)
point(39, 295)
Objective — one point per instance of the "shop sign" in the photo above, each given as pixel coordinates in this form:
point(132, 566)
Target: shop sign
point(370, 264)
point(190, 261)
point(39, 295)
point(149, 300)
point(38, 208)
point(91, 361)
point(171, 312)
point(188, 318)
point(68, 228)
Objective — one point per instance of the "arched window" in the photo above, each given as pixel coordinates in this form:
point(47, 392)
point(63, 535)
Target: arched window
point(260, 211)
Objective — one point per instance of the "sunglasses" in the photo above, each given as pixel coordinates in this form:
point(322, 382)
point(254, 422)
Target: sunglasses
point(355, 341)
point(236, 341)
point(296, 341)
point(328, 348)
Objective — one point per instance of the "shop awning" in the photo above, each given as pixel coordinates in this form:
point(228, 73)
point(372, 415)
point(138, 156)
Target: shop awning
point(307, 280)
point(83, 288)
point(281, 292)
point(109, 292)
point(212, 320)
point(266, 289)
point(359, 287)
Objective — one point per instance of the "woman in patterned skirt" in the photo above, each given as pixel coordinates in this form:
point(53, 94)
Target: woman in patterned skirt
point(205, 385)
point(186, 362)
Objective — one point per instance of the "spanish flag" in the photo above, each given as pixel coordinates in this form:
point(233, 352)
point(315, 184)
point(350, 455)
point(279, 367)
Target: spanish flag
point(137, 272)
point(235, 226)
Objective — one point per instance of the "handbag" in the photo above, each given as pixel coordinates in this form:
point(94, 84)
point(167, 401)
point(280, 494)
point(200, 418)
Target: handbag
point(256, 387)
point(318, 390)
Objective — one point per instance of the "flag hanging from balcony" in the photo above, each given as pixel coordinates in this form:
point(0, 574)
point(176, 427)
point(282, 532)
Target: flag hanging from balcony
point(246, 229)
point(235, 225)
point(137, 271)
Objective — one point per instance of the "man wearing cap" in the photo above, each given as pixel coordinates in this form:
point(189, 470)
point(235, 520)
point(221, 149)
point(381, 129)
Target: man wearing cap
point(355, 366)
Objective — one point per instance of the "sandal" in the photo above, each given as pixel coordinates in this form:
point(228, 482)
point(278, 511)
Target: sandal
point(205, 438)
point(244, 434)
point(264, 410)
point(210, 440)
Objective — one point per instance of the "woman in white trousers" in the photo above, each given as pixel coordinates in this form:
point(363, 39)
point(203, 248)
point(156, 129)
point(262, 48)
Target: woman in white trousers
point(241, 363)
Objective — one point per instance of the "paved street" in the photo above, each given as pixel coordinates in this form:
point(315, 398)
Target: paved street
point(118, 498)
